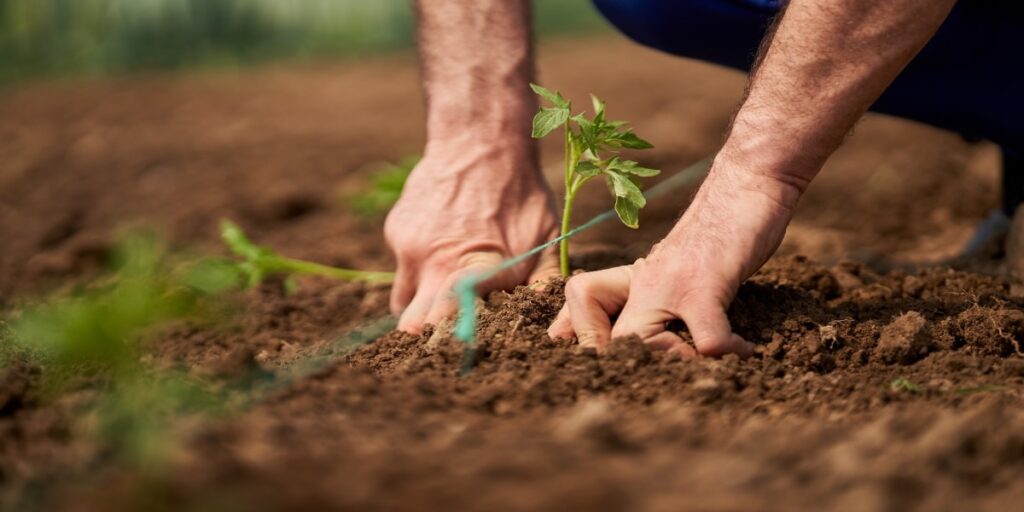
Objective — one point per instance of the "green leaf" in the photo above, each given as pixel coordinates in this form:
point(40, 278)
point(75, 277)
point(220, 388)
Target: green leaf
point(599, 107)
point(588, 133)
point(587, 169)
point(384, 188)
point(547, 120)
point(236, 240)
point(631, 167)
point(627, 139)
point(554, 97)
point(628, 212)
point(625, 188)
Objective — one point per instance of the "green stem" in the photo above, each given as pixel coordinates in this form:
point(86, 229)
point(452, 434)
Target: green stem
point(345, 274)
point(563, 246)
point(570, 195)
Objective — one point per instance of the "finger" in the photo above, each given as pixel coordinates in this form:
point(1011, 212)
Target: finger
point(403, 290)
point(562, 326)
point(591, 299)
point(415, 313)
point(684, 351)
point(664, 341)
point(709, 325)
point(446, 301)
point(641, 318)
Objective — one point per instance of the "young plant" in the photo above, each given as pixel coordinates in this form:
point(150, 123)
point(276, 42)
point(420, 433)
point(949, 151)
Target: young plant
point(260, 262)
point(100, 332)
point(384, 188)
point(591, 150)
point(102, 326)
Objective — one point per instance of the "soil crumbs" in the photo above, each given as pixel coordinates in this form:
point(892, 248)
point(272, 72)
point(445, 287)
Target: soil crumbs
point(868, 392)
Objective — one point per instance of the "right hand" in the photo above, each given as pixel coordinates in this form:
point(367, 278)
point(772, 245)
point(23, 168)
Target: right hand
point(464, 210)
point(735, 222)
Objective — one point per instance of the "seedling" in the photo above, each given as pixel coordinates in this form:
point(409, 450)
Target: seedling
point(904, 384)
point(384, 189)
point(260, 262)
point(100, 330)
point(591, 150)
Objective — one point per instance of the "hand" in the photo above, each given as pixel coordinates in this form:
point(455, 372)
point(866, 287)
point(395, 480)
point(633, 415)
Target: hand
point(465, 209)
point(734, 224)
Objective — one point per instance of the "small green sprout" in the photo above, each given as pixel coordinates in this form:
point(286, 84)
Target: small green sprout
point(258, 262)
point(904, 384)
point(384, 189)
point(591, 150)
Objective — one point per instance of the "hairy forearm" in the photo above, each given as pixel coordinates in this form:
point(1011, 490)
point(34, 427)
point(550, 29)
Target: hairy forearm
point(477, 62)
point(827, 62)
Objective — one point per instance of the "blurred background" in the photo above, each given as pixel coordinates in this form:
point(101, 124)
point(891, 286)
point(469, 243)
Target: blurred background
point(68, 37)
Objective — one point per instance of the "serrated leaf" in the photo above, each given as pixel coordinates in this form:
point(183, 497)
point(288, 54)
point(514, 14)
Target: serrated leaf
point(627, 139)
point(588, 133)
point(625, 188)
point(554, 97)
point(631, 167)
point(628, 212)
point(587, 169)
point(548, 120)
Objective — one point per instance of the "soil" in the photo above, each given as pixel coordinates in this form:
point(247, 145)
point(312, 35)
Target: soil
point(883, 379)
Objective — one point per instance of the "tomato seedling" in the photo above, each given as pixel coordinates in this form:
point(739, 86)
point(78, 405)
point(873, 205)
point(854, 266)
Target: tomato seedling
point(591, 150)
point(260, 262)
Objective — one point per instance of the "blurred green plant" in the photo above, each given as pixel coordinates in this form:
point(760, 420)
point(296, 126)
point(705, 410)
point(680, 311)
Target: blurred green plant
point(384, 188)
point(102, 326)
point(99, 332)
point(259, 262)
point(905, 385)
point(46, 37)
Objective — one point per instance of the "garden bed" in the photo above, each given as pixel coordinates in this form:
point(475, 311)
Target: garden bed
point(881, 381)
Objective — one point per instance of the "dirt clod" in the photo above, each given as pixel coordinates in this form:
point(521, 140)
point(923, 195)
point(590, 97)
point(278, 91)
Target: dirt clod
point(905, 340)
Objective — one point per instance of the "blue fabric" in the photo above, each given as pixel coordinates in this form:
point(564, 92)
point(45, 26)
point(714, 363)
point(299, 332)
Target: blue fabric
point(763, 5)
point(967, 79)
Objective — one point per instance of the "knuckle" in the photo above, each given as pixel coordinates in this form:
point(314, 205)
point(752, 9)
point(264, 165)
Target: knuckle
point(713, 346)
point(580, 285)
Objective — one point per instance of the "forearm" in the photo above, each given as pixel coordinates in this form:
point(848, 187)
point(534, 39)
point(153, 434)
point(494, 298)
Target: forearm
point(477, 63)
point(827, 62)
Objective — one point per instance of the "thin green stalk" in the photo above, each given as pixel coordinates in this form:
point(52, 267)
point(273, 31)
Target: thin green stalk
point(310, 268)
point(571, 187)
point(563, 246)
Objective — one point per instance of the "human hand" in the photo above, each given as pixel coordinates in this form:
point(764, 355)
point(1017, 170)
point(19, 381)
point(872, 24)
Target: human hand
point(735, 222)
point(464, 209)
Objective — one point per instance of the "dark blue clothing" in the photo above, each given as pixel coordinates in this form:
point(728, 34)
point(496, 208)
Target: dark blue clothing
point(968, 78)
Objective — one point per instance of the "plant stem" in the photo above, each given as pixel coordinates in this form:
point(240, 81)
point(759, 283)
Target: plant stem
point(310, 268)
point(563, 246)
point(570, 195)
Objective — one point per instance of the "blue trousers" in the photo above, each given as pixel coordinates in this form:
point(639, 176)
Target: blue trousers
point(969, 78)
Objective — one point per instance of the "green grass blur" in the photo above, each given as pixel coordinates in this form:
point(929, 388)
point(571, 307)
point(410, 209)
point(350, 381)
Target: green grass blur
point(74, 37)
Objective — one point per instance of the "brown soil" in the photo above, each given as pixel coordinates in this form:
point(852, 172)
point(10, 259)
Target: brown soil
point(872, 389)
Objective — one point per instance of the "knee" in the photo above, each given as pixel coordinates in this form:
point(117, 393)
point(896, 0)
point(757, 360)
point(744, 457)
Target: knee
point(726, 32)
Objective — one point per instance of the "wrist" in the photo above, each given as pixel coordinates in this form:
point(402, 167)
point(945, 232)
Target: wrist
point(480, 115)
